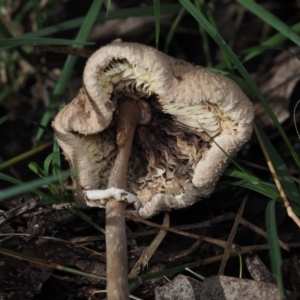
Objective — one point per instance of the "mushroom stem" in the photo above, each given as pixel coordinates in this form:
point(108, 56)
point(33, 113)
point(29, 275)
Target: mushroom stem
point(116, 242)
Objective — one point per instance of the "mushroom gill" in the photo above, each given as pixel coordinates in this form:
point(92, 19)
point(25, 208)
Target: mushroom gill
point(119, 75)
point(165, 151)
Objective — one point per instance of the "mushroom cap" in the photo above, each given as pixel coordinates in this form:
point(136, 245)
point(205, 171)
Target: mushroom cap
point(189, 105)
point(179, 85)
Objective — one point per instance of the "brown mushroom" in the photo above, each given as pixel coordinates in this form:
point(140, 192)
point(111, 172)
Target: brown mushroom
point(185, 114)
point(188, 113)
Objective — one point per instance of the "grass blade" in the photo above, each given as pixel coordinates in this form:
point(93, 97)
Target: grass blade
point(274, 249)
point(48, 161)
point(271, 42)
point(4, 30)
point(223, 45)
point(4, 118)
point(56, 165)
point(281, 169)
point(16, 42)
point(280, 175)
point(36, 9)
point(48, 264)
point(203, 33)
point(172, 30)
point(247, 182)
point(107, 7)
point(32, 186)
point(270, 19)
point(24, 155)
point(69, 65)
point(113, 15)
point(157, 13)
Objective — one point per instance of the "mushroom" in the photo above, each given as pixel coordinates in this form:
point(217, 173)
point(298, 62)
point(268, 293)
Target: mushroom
point(187, 114)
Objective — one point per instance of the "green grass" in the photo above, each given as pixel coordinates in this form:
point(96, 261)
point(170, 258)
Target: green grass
point(82, 35)
point(285, 178)
point(51, 174)
point(274, 248)
point(157, 13)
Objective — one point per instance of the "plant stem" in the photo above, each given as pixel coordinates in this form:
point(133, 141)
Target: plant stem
point(116, 243)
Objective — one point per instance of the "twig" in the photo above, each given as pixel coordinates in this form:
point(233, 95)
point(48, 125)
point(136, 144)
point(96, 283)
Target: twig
point(142, 278)
point(116, 242)
point(280, 189)
point(225, 217)
point(231, 237)
point(219, 243)
point(150, 250)
point(19, 210)
point(47, 264)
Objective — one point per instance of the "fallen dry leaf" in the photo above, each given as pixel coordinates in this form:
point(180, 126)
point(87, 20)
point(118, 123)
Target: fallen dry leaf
point(278, 85)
